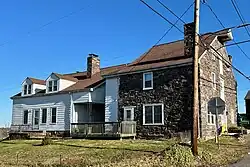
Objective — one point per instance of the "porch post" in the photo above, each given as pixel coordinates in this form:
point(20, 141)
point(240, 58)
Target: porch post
point(90, 111)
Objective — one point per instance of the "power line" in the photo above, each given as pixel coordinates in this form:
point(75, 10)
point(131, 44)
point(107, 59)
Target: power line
point(215, 15)
point(49, 23)
point(203, 43)
point(172, 25)
point(161, 16)
point(237, 9)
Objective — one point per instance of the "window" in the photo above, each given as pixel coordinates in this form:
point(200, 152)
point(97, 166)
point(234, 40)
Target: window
point(25, 117)
point(147, 81)
point(53, 86)
point(37, 116)
point(153, 114)
point(211, 118)
point(29, 89)
point(44, 115)
point(128, 113)
point(50, 86)
point(221, 66)
point(214, 80)
point(222, 89)
point(25, 89)
point(53, 115)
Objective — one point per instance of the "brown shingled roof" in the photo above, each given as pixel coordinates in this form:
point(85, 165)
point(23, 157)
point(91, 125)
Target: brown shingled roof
point(66, 77)
point(37, 81)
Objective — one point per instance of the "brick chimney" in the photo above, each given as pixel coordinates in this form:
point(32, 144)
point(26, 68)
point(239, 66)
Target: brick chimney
point(93, 65)
point(188, 39)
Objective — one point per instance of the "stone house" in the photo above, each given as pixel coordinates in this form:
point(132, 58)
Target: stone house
point(155, 91)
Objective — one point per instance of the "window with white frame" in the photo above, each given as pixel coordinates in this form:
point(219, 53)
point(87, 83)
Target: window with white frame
point(211, 118)
point(44, 115)
point(222, 89)
point(27, 89)
point(53, 86)
point(25, 116)
point(128, 114)
point(214, 80)
point(147, 80)
point(153, 114)
point(53, 115)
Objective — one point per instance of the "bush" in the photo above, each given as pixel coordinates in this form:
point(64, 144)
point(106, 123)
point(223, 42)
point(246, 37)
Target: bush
point(46, 141)
point(234, 130)
point(180, 156)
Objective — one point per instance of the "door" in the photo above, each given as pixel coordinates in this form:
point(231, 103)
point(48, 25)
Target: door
point(36, 118)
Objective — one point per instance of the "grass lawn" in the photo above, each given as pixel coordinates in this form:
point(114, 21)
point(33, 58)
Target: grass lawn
point(119, 153)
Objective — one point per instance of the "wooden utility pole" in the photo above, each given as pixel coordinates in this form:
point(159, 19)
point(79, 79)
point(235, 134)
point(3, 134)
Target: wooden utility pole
point(195, 79)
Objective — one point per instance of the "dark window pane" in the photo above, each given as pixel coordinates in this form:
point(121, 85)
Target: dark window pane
point(53, 120)
point(36, 117)
point(128, 115)
point(212, 119)
point(55, 85)
point(29, 89)
point(158, 114)
point(25, 90)
point(44, 115)
point(25, 117)
point(50, 86)
point(208, 119)
point(148, 84)
point(148, 115)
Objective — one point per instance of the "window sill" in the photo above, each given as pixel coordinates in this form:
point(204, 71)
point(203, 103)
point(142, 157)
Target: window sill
point(52, 123)
point(210, 124)
point(43, 124)
point(153, 124)
point(148, 88)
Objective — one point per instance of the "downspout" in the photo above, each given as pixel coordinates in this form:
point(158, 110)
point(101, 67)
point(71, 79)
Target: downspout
point(71, 110)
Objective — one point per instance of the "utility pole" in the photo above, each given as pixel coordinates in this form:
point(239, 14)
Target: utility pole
point(195, 79)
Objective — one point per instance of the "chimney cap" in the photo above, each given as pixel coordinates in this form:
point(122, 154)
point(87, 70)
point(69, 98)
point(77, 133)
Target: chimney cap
point(93, 55)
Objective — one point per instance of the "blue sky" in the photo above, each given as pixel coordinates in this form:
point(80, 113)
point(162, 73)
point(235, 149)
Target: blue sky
point(118, 31)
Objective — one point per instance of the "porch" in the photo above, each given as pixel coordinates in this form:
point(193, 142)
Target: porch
point(120, 130)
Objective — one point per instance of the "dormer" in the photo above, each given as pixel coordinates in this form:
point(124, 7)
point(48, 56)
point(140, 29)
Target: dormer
point(31, 86)
point(57, 82)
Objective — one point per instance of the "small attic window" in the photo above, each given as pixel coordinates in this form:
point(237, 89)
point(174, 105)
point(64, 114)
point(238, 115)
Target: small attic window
point(27, 89)
point(53, 86)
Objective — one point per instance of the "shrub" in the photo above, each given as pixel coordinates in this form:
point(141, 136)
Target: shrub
point(178, 155)
point(234, 130)
point(46, 141)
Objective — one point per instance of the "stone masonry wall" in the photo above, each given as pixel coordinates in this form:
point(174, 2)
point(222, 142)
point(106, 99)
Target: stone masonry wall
point(172, 87)
point(207, 66)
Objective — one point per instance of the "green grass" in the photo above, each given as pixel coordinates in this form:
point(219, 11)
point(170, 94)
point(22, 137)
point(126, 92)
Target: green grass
point(118, 153)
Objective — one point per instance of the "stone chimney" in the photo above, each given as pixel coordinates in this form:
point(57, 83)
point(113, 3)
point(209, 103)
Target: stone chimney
point(93, 65)
point(188, 39)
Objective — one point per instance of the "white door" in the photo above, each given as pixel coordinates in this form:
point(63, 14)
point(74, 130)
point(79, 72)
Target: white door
point(36, 118)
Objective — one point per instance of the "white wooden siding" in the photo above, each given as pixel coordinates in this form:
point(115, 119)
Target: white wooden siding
point(61, 102)
point(111, 99)
point(63, 84)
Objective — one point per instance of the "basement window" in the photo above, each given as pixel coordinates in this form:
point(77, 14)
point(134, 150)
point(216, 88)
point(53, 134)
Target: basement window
point(147, 81)
point(153, 114)
point(128, 114)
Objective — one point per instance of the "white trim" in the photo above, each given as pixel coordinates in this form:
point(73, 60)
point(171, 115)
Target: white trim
point(213, 75)
point(204, 53)
point(53, 123)
point(131, 108)
point(27, 90)
point(152, 83)
point(152, 105)
point(47, 85)
point(211, 116)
